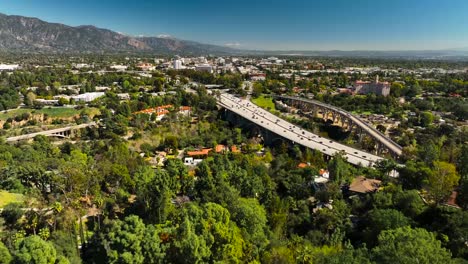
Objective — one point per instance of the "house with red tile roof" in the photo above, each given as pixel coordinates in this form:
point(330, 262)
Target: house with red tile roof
point(199, 153)
point(234, 149)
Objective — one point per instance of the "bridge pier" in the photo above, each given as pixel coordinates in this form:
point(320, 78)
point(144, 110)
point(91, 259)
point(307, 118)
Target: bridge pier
point(360, 134)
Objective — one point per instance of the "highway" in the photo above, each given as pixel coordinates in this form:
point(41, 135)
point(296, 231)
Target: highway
point(49, 132)
point(373, 132)
point(287, 130)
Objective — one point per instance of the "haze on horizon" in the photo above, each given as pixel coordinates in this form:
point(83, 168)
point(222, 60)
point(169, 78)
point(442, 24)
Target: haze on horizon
point(270, 25)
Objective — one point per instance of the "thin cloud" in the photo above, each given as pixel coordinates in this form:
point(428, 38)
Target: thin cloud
point(164, 36)
point(233, 44)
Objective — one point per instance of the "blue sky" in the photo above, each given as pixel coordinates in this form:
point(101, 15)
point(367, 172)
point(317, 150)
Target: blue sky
point(270, 24)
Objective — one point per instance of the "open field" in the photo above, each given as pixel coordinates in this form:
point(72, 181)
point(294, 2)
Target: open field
point(264, 102)
point(53, 112)
point(7, 197)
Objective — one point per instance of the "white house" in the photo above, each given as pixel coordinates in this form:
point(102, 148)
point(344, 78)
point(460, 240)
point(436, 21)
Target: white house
point(189, 161)
point(8, 67)
point(88, 97)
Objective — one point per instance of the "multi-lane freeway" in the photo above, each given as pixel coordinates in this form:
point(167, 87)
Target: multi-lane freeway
point(279, 126)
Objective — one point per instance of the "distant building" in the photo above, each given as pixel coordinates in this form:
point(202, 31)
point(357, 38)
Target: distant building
point(146, 66)
point(177, 64)
point(81, 65)
point(199, 153)
point(159, 111)
point(376, 87)
point(190, 161)
point(123, 96)
point(185, 110)
point(220, 61)
point(205, 67)
point(162, 111)
point(258, 77)
point(234, 149)
point(46, 102)
point(102, 88)
point(8, 67)
point(119, 67)
point(201, 60)
point(87, 97)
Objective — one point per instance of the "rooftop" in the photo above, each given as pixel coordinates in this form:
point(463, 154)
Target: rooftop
point(363, 185)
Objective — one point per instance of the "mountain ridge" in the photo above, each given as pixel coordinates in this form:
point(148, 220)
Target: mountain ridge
point(29, 34)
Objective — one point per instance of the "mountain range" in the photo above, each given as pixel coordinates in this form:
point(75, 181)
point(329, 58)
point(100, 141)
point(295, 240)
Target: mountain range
point(19, 34)
point(27, 34)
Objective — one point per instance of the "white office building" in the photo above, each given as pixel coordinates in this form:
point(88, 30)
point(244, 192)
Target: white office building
point(8, 67)
point(177, 64)
point(88, 97)
point(119, 67)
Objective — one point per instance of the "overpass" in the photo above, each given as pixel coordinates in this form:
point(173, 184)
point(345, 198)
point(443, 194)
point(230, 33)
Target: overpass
point(278, 126)
point(63, 132)
point(346, 118)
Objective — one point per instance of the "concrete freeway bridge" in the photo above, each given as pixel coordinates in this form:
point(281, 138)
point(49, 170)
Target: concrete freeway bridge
point(63, 132)
point(280, 127)
point(383, 143)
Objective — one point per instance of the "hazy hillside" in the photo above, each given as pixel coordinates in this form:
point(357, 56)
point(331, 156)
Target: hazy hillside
point(25, 34)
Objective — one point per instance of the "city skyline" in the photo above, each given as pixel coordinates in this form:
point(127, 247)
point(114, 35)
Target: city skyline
point(271, 25)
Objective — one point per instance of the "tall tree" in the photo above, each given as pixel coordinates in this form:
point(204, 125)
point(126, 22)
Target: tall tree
point(340, 171)
point(124, 241)
point(5, 256)
point(34, 250)
point(383, 219)
point(407, 245)
point(442, 181)
point(250, 216)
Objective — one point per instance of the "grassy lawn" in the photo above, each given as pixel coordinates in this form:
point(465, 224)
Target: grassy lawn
point(264, 102)
point(13, 113)
point(59, 112)
point(51, 112)
point(363, 113)
point(7, 197)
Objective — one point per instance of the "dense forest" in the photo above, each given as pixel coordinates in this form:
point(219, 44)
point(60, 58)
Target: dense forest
point(104, 197)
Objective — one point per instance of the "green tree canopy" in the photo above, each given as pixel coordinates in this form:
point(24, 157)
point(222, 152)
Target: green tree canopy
point(384, 219)
point(124, 241)
point(407, 246)
point(34, 250)
point(442, 181)
point(5, 256)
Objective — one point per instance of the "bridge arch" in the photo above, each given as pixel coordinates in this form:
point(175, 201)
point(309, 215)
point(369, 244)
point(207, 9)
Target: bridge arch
point(347, 119)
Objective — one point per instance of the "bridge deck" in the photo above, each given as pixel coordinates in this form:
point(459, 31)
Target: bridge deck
point(265, 119)
point(49, 132)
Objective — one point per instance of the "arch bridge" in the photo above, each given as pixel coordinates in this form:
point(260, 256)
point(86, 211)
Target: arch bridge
point(64, 132)
point(345, 119)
